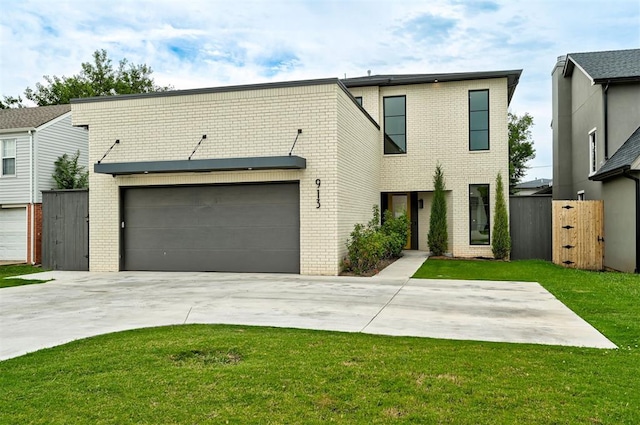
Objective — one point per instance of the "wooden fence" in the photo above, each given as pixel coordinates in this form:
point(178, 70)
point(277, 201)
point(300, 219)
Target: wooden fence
point(65, 229)
point(578, 234)
point(530, 227)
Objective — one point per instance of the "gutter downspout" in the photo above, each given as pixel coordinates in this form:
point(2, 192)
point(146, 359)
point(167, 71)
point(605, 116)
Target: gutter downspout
point(637, 269)
point(606, 121)
point(31, 200)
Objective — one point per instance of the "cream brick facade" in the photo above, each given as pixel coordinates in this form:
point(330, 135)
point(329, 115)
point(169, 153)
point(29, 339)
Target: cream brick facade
point(342, 145)
point(437, 130)
point(238, 123)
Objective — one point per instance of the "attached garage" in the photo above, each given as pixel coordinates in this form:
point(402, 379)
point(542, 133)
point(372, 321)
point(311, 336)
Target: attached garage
point(231, 228)
point(13, 234)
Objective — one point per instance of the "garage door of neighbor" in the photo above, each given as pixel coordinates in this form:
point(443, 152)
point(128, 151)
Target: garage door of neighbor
point(13, 234)
point(233, 228)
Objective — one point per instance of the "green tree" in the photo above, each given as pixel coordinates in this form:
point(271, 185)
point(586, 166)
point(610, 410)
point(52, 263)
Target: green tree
point(520, 147)
point(437, 238)
point(11, 102)
point(68, 174)
point(97, 78)
point(501, 240)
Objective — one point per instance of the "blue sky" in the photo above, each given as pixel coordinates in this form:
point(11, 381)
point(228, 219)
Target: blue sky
point(206, 43)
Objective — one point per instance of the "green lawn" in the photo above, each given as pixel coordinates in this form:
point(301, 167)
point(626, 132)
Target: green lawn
point(240, 375)
point(17, 270)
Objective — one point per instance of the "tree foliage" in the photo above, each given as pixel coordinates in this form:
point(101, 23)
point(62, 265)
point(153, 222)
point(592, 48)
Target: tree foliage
point(97, 78)
point(11, 102)
point(520, 146)
point(501, 240)
point(68, 174)
point(438, 238)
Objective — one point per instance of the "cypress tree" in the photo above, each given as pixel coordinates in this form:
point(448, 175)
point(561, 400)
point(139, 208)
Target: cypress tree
point(438, 237)
point(501, 245)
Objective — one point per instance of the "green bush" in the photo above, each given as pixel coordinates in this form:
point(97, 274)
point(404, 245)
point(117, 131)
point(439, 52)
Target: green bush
point(396, 232)
point(501, 240)
point(68, 174)
point(369, 244)
point(438, 238)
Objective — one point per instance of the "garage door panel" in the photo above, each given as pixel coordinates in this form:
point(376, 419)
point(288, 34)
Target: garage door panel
point(13, 234)
point(245, 227)
point(237, 237)
point(252, 261)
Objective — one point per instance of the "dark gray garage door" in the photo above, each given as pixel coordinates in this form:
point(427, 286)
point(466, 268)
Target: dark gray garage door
point(235, 228)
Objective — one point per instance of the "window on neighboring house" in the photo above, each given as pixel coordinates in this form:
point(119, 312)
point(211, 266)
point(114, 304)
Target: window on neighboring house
point(395, 125)
point(478, 120)
point(8, 154)
point(359, 100)
point(593, 157)
point(479, 214)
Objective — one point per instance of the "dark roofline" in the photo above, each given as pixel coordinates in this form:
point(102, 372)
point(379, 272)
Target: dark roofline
point(571, 63)
point(618, 171)
point(207, 90)
point(226, 89)
point(513, 77)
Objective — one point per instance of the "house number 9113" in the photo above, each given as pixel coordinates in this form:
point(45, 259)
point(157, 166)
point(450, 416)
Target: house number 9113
point(318, 191)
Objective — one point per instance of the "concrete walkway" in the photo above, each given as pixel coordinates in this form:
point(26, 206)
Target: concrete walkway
point(82, 304)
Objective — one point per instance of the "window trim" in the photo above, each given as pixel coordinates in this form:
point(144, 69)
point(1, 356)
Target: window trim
point(384, 121)
point(593, 151)
point(580, 195)
point(14, 157)
point(488, 215)
point(488, 119)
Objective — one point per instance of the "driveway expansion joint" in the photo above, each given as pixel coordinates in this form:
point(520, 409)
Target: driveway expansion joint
point(385, 306)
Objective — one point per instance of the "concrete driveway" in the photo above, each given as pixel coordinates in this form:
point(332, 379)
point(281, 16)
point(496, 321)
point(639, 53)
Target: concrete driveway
point(82, 304)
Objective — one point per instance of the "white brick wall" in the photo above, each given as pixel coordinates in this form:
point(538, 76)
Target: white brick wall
point(438, 131)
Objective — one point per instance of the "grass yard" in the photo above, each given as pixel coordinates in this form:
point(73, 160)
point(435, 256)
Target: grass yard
point(199, 374)
point(17, 270)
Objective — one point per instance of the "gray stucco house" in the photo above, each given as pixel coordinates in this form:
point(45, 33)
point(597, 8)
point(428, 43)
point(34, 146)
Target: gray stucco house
point(31, 139)
point(596, 143)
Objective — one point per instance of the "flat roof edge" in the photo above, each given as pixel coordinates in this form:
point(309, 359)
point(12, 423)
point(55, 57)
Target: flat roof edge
point(208, 90)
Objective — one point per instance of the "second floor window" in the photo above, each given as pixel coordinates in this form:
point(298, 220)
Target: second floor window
point(359, 100)
point(395, 125)
point(8, 154)
point(478, 120)
point(593, 153)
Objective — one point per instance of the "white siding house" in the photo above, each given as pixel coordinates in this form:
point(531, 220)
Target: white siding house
point(31, 139)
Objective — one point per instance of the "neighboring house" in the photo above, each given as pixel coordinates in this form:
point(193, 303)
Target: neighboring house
point(533, 187)
point(596, 143)
point(31, 139)
point(273, 177)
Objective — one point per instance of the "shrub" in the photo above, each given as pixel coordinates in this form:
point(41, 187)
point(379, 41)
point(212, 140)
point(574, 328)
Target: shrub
point(68, 174)
point(438, 239)
point(501, 243)
point(369, 244)
point(396, 232)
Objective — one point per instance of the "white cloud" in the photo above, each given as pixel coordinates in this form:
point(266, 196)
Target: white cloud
point(203, 43)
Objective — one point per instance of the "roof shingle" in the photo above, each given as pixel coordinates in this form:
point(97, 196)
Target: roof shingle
point(622, 159)
point(30, 117)
point(608, 65)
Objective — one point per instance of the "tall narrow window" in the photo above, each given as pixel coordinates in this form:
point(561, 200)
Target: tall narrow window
point(395, 125)
point(479, 214)
point(593, 157)
point(359, 100)
point(8, 154)
point(478, 120)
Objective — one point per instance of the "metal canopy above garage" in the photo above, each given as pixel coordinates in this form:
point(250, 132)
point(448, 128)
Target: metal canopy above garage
point(231, 228)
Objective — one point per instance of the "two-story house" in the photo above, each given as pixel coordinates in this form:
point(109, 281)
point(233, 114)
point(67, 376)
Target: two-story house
point(273, 177)
point(596, 143)
point(31, 139)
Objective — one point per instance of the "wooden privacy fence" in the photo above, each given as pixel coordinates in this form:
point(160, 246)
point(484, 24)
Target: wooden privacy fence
point(578, 234)
point(65, 229)
point(530, 227)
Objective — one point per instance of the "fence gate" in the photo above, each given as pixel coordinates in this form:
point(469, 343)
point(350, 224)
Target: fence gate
point(578, 234)
point(65, 229)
